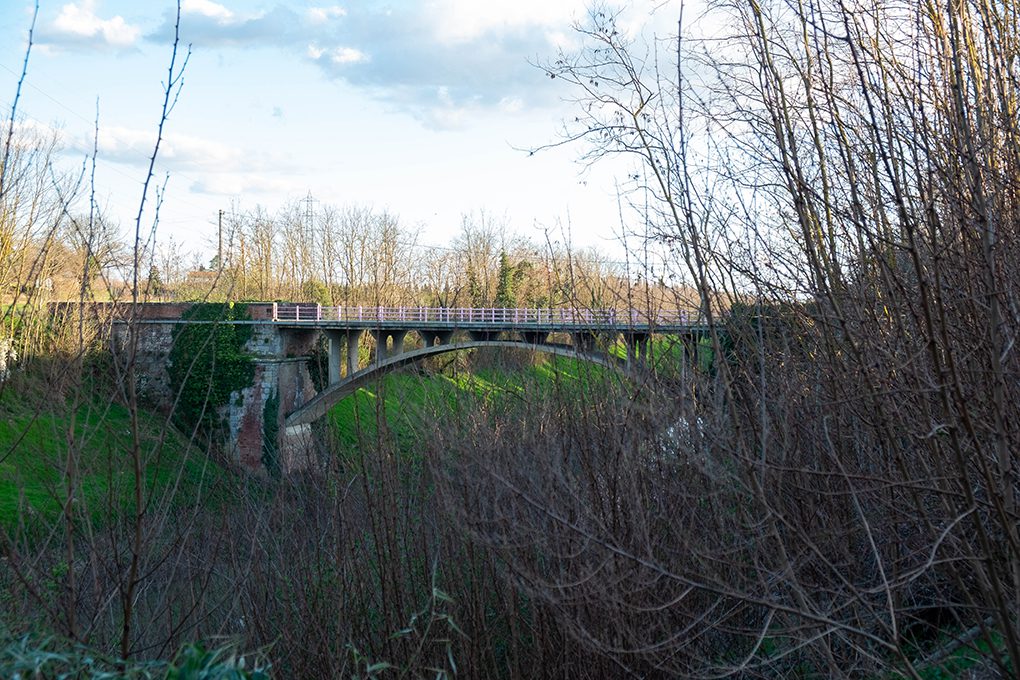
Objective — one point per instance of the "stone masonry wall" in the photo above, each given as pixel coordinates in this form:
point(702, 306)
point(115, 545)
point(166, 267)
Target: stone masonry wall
point(245, 417)
point(151, 361)
point(280, 373)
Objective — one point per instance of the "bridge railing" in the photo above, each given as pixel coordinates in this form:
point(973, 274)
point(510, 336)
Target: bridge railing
point(492, 315)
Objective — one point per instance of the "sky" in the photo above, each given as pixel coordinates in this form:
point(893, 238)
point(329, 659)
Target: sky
point(422, 108)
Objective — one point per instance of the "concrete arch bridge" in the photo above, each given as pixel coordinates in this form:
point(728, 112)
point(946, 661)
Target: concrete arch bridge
point(284, 336)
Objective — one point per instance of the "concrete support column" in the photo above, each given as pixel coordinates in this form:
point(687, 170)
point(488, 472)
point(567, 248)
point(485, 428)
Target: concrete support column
point(380, 337)
point(336, 339)
point(398, 342)
point(584, 341)
point(434, 338)
point(628, 343)
point(690, 351)
point(637, 348)
point(535, 337)
point(353, 359)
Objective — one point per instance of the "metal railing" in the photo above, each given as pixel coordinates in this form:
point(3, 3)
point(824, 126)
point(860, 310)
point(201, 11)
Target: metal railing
point(503, 316)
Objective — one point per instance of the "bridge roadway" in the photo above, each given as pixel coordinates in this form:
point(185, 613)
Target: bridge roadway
point(436, 326)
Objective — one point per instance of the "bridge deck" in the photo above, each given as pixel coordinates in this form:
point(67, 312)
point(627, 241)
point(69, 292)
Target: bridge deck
point(488, 319)
point(493, 326)
point(448, 316)
point(640, 328)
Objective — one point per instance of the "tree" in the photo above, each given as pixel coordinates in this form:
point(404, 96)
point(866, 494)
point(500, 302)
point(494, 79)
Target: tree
point(155, 282)
point(824, 163)
point(505, 279)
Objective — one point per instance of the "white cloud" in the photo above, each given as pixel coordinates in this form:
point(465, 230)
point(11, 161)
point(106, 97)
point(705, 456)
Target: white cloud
point(510, 104)
point(445, 119)
point(122, 144)
point(445, 113)
point(176, 152)
point(482, 52)
point(465, 20)
point(207, 8)
point(562, 40)
point(187, 151)
point(338, 56)
point(28, 132)
point(321, 15)
point(347, 55)
point(78, 23)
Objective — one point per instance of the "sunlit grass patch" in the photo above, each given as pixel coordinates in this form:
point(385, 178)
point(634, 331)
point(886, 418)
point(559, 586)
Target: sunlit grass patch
point(37, 446)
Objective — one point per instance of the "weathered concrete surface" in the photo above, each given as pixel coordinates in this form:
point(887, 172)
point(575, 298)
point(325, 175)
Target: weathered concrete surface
point(246, 421)
point(297, 448)
point(281, 375)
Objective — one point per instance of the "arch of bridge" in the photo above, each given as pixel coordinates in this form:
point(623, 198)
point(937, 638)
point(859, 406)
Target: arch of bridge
point(320, 405)
point(443, 336)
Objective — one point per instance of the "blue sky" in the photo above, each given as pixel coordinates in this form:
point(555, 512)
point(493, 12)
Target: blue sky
point(415, 107)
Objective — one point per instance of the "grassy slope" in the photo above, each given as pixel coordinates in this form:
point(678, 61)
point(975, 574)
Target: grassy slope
point(35, 435)
point(407, 396)
point(34, 441)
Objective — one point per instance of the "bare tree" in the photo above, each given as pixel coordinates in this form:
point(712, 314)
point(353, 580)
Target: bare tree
point(845, 177)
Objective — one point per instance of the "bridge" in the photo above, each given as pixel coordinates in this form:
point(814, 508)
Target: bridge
point(285, 336)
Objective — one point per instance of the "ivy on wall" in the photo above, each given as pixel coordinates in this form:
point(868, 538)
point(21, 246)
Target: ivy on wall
point(208, 362)
point(270, 432)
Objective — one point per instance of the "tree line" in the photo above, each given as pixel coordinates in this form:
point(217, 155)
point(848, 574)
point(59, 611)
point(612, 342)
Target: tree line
point(354, 255)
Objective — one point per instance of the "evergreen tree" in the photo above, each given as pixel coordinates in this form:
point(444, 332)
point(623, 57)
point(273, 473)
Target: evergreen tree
point(155, 281)
point(474, 288)
point(505, 295)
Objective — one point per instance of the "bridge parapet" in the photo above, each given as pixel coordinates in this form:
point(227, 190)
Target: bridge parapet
point(365, 316)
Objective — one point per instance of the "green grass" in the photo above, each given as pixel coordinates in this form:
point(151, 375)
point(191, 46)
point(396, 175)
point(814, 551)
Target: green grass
point(29, 657)
point(36, 432)
point(963, 659)
point(401, 400)
point(34, 445)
